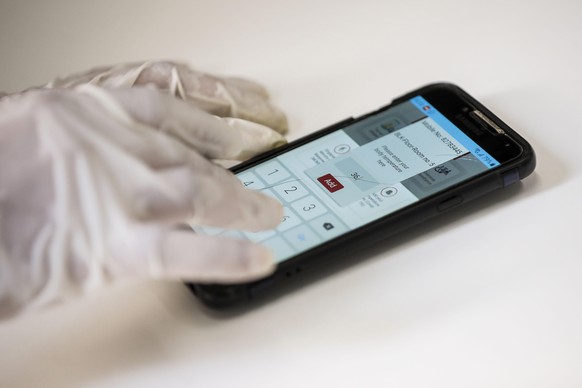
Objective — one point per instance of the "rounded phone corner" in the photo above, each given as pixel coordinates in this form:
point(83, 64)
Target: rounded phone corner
point(219, 296)
point(428, 87)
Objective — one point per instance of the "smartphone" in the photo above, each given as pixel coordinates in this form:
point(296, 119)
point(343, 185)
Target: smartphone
point(363, 179)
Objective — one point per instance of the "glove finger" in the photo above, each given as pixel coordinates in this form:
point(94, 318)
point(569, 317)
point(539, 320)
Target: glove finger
point(221, 96)
point(247, 101)
point(203, 193)
point(176, 78)
point(211, 136)
point(256, 138)
point(187, 256)
point(226, 203)
point(244, 103)
point(184, 255)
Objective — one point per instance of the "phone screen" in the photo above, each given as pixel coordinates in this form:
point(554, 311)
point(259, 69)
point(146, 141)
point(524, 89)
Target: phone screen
point(358, 174)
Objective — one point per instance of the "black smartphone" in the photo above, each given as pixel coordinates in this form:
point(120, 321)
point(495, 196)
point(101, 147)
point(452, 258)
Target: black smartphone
point(364, 179)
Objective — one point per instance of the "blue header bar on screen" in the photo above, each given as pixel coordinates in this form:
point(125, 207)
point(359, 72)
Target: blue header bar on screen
point(426, 108)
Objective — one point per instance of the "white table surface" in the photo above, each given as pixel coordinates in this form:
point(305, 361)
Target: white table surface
point(487, 296)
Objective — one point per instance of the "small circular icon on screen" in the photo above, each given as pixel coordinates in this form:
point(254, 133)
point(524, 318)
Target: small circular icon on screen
point(341, 149)
point(388, 192)
point(328, 226)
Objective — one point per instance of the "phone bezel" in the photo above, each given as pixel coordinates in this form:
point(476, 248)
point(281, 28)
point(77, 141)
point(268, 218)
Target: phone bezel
point(450, 100)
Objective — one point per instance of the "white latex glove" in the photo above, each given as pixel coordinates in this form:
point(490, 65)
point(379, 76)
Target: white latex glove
point(93, 181)
point(221, 96)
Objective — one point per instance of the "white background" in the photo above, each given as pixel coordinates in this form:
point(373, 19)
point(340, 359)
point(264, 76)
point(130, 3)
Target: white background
point(487, 296)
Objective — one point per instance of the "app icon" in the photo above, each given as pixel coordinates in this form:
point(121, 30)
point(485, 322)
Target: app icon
point(328, 226)
point(341, 149)
point(442, 169)
point(388, 192)
point(330, 183)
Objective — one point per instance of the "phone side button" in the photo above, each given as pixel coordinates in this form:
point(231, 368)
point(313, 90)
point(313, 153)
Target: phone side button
point(510, 177)
point(449, 203)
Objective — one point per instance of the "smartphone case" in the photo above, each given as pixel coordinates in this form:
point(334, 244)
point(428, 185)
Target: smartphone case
point(219, 296)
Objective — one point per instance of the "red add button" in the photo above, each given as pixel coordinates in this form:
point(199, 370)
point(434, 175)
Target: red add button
point(330, 183)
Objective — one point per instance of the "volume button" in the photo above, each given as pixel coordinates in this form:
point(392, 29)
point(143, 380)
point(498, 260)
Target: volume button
point(510, 177)
point(449, 203)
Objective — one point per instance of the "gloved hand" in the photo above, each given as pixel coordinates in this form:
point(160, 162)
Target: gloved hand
point(93, 182)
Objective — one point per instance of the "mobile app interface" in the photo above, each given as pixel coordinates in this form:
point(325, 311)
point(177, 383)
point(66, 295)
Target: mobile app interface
point(359, 174)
